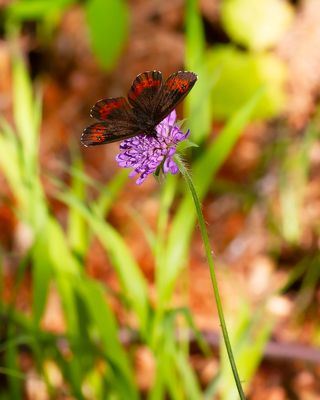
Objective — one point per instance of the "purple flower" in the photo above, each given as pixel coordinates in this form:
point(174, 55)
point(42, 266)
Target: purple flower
point(145, 153)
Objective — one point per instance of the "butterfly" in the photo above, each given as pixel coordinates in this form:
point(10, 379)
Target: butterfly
point(149, 101)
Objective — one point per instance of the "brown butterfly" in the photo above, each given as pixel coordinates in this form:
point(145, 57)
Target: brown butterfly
point(149, 101)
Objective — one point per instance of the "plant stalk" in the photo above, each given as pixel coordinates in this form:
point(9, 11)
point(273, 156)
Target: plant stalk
point(208, 251)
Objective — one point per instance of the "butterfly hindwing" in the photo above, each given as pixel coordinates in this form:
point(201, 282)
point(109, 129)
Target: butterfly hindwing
point(107, 132)
point(173, 91)
point(114, 108)
point(116, 122)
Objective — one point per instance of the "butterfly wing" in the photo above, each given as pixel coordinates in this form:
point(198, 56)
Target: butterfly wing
point(107, 132)
point(173, 91)
point(114, 108)
point(144, 93)
point(116, 122)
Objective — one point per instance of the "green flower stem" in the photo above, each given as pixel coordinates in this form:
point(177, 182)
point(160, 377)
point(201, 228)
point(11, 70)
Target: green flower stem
point(208, 250)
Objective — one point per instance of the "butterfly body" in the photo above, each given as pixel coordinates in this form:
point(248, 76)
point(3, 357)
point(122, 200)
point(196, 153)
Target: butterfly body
point(149, 101)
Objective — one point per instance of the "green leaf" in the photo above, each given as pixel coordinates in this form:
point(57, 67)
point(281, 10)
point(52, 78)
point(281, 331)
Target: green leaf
point(197, 103)
point(77, 229)
point(27, 115)
point(130, 276)
point(41, 275)
point(188, 376)
point(12, 370)
point(186, 144)
point(36, 9)
point(10, 162)
point(195, 37)
point(241, 75)
point(23, 102)
point(102, 317)
point(256, 24)
point(293, 183)
point(65, 268)
point(108, 28)
point(249, 336)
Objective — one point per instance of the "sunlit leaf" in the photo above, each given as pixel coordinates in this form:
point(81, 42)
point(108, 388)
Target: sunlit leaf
point(241, 75)
point(256, 24)
point(35, 9)
point(108, 26)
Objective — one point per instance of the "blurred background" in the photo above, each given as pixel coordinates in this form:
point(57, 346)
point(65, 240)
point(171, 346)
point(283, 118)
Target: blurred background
point(105, 290)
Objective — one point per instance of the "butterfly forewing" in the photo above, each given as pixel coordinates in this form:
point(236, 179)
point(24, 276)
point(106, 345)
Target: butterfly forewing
point(173, 91)
point(144, 91)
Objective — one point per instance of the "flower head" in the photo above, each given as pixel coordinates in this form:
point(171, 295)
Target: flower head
point(145, 153)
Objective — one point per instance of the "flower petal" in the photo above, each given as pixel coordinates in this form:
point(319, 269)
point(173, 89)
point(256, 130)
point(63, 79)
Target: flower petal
point(171, 118)
point(145, 153)
point(170, 165)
